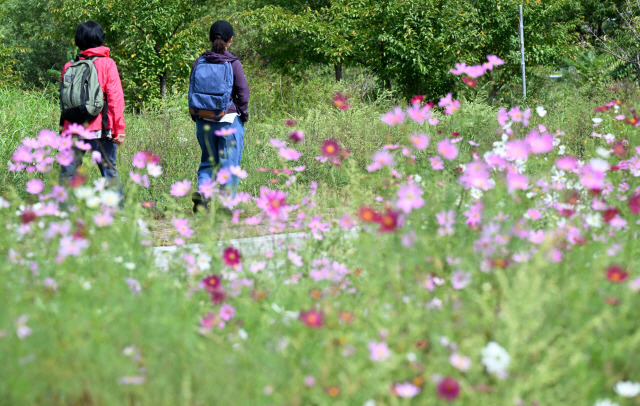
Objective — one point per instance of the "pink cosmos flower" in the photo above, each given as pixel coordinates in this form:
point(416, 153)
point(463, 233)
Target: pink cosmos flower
point(567, 163)
point(419, 114)
point(476, 175)
point(50, 284)
point(289, 154)
point(223, 176)
point(460, 362)
point(406, 390)
point(516, 181)
point(59, 193)
point(76, 129)
point(503, 117)
point(378, 351)
point(182, 227)
point(227, 312)
point(460, 69)
point(452, 107)
point(494, 61)
point(318, 227)
point(446, 220)
point(516, 114)
point(419, 141)
point(65, 157)
point(394, 117)
point(72, 246)
point(409, 198)
point(273, 203)
point(591, 178)
point(460, 280)
point(139, 160)
point(179, 189)
point(206, 188)
point(517, 150)
point(277, 143)
point(347, 222)
point(134, 286)
point(474, 214)
point(96, 157)
point(35, 186)
point(103, 219)
point(475, 71)
point(533, 214)
point(22, 330)
point(539, 143)
point(223, 132)
point(380, 159)
point(436, 163)
point(447, 149)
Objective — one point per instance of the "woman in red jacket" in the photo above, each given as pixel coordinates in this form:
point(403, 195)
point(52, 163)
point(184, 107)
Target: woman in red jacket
point(90, 38)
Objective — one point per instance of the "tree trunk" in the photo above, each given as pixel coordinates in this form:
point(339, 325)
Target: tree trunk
point(386, 82)
point(163, 85)
point(338, 71)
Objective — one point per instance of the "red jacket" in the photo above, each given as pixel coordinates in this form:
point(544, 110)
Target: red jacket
point(111, 86)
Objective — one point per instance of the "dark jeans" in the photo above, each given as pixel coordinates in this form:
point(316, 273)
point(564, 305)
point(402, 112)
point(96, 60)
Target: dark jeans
point(108, 171)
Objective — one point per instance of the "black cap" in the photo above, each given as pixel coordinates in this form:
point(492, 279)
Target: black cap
point(221, 28)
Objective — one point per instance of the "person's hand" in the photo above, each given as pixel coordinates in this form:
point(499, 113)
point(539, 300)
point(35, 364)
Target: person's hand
point(118, 139)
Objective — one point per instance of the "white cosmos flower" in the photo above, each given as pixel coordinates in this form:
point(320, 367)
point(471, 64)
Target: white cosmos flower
point(495, 358)
point(594, 220)
point(110, 198)
point(605, 402)
point(154, 170)
point(541, 111)
point(203, 261)
point(93, 202)
point(83, 192)
point(627, 389)
point(603, 152)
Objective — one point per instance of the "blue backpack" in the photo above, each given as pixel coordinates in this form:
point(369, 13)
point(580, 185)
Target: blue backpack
point(210, 89)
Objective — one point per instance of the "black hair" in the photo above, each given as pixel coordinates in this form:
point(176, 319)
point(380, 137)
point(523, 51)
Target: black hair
point(89, 35)
point(220, 34)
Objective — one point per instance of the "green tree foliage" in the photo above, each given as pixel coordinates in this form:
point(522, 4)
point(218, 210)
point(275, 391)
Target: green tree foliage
point(153, 42)
point(599, 16)
point(30, 50)
point(624, 43)
point(408, 43)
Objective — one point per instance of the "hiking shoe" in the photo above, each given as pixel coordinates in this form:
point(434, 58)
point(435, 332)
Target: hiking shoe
point(199, 202)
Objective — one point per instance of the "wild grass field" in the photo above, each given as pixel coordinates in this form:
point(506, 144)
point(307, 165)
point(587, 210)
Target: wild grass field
point(488, 256)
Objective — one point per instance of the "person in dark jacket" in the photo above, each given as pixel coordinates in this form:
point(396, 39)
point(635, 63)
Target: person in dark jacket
point(222, 150)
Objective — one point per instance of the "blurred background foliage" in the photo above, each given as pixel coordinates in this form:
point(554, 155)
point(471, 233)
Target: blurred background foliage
point(401, 47)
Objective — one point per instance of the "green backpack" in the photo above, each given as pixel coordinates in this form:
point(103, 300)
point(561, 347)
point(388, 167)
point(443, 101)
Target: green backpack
point(81, 97)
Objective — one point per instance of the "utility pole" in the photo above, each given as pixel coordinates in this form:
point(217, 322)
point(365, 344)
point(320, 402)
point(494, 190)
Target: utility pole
point(524, 78)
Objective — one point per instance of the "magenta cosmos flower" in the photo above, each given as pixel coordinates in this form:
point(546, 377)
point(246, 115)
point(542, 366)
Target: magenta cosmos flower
point(448, 389)
point(231, 256)
point(312, 318)
point(330, 148)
